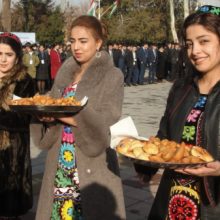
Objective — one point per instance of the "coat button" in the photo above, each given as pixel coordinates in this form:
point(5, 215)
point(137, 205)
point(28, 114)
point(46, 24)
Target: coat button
point(88, 171)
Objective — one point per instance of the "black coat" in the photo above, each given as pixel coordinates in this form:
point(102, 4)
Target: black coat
point(15, 163)
point(181, 99)
point(43, 67)
point(161, 65)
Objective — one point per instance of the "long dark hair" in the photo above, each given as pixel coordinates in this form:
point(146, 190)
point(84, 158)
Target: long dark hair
point(209, 21)
point(14, 42)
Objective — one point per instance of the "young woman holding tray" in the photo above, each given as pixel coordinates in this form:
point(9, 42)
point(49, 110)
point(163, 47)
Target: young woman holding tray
point(15, 163)
point(192, 115)
point(81, 179)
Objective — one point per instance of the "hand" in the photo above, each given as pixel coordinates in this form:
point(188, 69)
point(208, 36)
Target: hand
point(46, 119)
point(68, 120)
point(209, 169)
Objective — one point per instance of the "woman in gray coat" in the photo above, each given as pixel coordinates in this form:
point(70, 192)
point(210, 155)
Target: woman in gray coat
point(81, 179)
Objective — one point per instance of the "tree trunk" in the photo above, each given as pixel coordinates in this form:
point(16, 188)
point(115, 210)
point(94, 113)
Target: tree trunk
point(172, 21)
point(6, 15)
point(186, 8)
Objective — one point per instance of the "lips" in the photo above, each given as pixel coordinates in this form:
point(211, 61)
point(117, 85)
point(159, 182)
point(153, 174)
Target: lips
point(77, 55)
point(3, 65)
point(199, 60)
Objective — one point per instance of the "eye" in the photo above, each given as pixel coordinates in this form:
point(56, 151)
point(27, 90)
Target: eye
point(83, 40)
point(72, 41)
point(189, 45)
point(204, 41)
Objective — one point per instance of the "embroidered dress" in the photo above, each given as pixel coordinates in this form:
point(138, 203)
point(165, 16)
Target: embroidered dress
point(67, 199)
point(184, 201)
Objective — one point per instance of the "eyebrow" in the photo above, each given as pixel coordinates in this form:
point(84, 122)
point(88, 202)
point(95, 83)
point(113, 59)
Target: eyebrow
point(199, 37)
point(82, 38)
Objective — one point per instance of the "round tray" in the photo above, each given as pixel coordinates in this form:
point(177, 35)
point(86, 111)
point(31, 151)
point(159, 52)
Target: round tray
point(36, 109)
point(165, 165)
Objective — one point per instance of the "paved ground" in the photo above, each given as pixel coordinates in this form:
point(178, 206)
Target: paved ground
point(145, 104)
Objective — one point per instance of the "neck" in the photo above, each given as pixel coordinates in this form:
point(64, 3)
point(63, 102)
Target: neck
point(208, 81)
point(2, 75)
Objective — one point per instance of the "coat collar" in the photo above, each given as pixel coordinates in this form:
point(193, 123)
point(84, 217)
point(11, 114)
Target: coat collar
point(98, 67)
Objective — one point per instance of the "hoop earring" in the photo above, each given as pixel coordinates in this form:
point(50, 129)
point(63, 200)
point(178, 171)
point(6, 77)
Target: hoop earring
point(98, 54)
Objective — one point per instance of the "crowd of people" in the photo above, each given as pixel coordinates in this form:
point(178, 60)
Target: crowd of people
point(160, 61)
point(43, 62)
point(81, 179)
point(146, 64)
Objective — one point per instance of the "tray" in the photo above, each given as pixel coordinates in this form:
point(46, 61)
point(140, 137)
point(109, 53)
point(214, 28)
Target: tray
point(36, 109)
point(50, 109)
point(164, 165)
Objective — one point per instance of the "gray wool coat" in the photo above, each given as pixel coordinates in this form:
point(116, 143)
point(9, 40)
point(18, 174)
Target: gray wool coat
point(100, 183)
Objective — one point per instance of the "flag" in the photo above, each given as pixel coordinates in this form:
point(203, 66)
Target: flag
point(92, 8)
point(114, 7)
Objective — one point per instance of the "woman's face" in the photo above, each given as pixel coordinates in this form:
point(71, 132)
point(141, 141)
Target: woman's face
point(83, 44)
point(8, 58)
point(203, 48)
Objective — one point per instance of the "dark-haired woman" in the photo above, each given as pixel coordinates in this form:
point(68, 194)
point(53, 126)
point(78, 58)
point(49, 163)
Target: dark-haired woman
point(15, 163)
point(192, 115)
point(81, 180)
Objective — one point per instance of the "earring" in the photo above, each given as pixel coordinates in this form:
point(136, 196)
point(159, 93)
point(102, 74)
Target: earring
point(98, 54)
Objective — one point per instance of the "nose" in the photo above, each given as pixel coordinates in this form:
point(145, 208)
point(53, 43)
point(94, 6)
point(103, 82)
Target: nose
point(75, 46)
point(3, 58)
point(196, 48)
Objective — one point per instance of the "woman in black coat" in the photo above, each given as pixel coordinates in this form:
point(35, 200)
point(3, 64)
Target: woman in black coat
point(15, 163)
point(192, 116)
point(42, 75)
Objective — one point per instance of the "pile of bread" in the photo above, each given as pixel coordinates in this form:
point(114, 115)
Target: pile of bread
point(163, 151)
point(45, 101)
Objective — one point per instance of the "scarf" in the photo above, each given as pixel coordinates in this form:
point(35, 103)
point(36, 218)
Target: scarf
point(7, 86)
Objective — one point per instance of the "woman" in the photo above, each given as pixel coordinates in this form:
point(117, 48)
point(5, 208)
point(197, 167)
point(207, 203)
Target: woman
point(42, 69)
point(161, 64)
point(15, 163)
point(81, 179)
point(192, 116)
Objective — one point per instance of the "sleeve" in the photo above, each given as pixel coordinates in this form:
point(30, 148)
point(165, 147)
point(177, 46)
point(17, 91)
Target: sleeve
point(13, 121)
point(94, 125)
point(44, 136)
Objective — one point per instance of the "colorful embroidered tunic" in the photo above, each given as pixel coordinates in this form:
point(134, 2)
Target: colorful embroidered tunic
point(184, 201)
point(67, 199)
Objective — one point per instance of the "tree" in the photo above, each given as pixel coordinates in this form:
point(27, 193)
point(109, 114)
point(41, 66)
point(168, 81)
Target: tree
point(186, 8)
point(6, 15)
point(172, 21)
point(44, 19)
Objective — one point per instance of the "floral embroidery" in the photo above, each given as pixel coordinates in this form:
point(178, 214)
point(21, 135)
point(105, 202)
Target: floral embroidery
point(189, 132)
point(184, 200)
point(67, 198)
point(201, 102)
point(67, 210)
point(193, 115)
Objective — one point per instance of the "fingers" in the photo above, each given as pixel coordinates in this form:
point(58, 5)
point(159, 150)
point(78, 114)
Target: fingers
point(46, 119)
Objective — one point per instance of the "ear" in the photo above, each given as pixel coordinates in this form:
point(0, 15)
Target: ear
point(16, 61)
point(98, 44)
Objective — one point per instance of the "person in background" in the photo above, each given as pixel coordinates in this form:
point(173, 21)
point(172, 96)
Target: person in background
point(192, 116)
point(15, 164)
point(161, 64)
point(55, 61)
point(42, 69)
point(142, 60)
point(31, 61)
point(81, 179)
point(152, 62)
